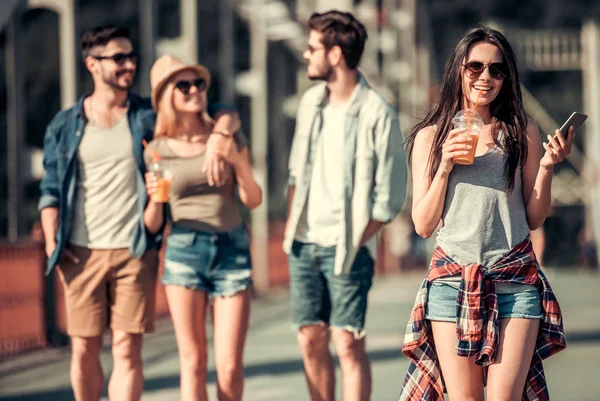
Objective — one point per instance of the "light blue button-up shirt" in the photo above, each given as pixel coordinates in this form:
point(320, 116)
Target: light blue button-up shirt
point(375, 170)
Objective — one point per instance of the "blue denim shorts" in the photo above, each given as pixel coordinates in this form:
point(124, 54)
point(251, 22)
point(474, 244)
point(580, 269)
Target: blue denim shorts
point(216, 263)
point(441, 304)
point(320, 297)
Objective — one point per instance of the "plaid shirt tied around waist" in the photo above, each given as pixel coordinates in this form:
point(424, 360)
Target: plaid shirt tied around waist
point(477, 325)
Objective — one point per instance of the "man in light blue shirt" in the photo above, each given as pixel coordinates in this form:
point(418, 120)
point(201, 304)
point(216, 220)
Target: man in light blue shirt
point(347, 179)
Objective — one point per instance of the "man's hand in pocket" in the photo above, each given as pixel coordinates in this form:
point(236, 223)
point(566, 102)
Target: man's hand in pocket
point(66, 252)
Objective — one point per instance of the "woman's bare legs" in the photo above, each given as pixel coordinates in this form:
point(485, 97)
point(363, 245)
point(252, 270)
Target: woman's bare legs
point(463, 378)
point(188, 311)
point(507, 375)
point(231, 318)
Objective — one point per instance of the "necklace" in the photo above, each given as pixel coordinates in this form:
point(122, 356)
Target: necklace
point(112, 120)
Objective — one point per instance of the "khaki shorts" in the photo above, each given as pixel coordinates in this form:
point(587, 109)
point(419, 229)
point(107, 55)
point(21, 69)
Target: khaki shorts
point(109, 288)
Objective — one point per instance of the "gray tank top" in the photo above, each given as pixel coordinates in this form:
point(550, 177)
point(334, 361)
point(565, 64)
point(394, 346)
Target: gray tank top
point(482, 221)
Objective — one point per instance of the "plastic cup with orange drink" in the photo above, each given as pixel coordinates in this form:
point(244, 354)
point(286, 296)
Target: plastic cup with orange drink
point(164, 178)
point(472, 122)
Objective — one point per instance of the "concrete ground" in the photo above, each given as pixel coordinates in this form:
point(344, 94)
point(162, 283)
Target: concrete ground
point(273, 365)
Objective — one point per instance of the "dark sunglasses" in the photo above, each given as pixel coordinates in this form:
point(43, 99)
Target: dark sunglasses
point(186, 86)
point(476, 68)
point(313, 50)
point(120, 58)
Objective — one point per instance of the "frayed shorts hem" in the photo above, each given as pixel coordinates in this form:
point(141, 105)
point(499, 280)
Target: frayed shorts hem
point(358, 333)
point(212, 294)
point(452, 319)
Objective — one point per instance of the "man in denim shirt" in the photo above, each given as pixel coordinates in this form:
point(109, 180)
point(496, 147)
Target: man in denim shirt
point(347, 179)
point(92, 201)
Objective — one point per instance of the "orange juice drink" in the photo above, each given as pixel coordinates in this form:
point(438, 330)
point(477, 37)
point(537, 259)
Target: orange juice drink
point(162, 190)
point(163, 177)
point(473, 123)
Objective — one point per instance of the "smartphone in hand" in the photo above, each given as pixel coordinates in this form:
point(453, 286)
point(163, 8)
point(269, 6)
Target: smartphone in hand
point(576, 120)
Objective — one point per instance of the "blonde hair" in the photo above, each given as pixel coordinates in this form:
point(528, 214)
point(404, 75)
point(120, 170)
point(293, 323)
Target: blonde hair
point(167, 123)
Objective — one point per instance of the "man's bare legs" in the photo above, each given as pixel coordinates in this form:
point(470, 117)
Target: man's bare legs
point(354, 361)
point(87, 377)
point(318, 362)
point(127, 378)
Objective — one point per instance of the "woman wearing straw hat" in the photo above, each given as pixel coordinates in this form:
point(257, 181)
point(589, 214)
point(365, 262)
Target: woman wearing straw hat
point(208, 252)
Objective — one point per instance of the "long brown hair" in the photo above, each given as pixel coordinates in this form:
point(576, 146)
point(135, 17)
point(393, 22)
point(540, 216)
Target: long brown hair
point(167, 123)
point(508, 114)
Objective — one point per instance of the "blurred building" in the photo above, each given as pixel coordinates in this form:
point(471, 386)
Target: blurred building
point(254, 50)
point(252, 47)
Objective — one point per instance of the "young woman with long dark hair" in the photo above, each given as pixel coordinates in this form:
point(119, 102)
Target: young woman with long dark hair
point(485, 314)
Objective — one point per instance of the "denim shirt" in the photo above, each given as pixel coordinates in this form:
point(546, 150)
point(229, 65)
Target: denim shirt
point(375, 170)
point(58, 186)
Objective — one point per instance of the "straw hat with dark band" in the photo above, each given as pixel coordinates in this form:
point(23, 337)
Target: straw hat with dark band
point(165, 68)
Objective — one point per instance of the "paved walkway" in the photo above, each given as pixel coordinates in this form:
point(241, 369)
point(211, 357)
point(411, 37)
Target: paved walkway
point(273, 364)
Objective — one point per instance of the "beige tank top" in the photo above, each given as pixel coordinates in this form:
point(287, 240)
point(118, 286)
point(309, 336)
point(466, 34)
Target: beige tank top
point(193, 202)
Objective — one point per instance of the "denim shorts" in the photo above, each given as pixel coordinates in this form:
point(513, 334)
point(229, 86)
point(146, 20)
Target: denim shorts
point(216, 263)
point(441, 304)
point(318, 296)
